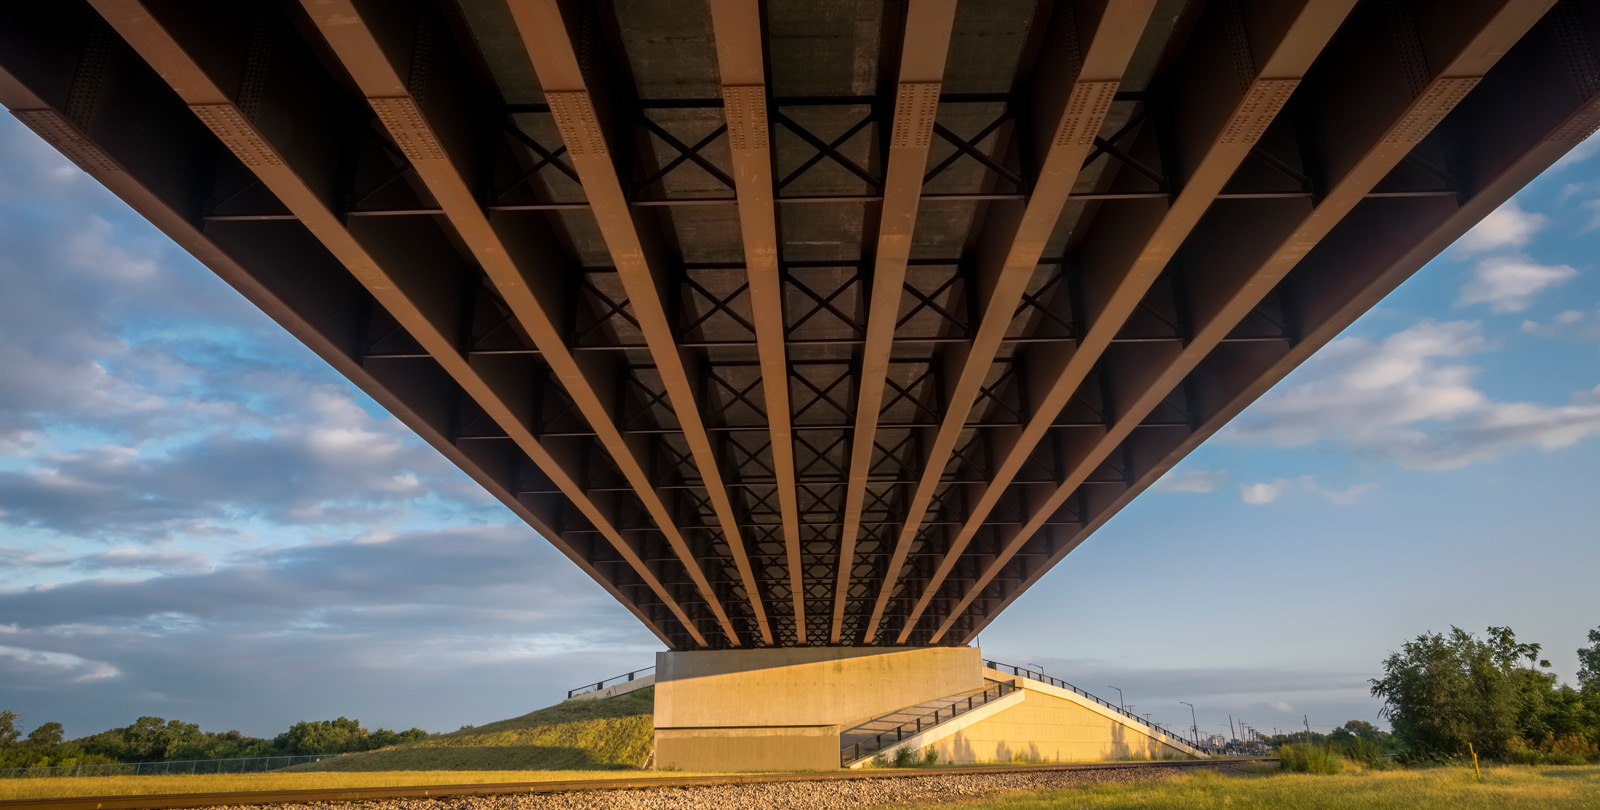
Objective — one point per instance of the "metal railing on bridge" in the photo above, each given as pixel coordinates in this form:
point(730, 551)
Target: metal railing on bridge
point(1024, 672)
point(180, 766)
point(598, 685)
point(856, 751)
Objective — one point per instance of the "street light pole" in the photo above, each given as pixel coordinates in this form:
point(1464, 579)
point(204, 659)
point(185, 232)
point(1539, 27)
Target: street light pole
point(1196, 723)
point(1119, 696)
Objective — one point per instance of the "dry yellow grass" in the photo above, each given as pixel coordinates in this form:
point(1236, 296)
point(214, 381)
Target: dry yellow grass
point(284, 780)
point(1502, 788)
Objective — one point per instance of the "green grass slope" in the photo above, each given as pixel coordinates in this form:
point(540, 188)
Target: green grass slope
point(608, 734)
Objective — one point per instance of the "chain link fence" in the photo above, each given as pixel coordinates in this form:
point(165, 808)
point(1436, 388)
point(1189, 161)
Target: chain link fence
point(183, 766)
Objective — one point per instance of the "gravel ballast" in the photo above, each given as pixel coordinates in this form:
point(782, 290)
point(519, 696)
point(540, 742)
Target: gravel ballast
point(796, 795)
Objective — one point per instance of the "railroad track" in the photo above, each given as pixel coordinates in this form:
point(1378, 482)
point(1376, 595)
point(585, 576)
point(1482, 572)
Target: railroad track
point(159, 801)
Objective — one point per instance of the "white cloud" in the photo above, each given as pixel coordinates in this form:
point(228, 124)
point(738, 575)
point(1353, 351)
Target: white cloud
point(1572, 324)
point(1506, 227)
point(1267, 492)
point(1407, 399)
point(58, 666)
point(1508, 283)
point(1200, 481)
point(1263, 493)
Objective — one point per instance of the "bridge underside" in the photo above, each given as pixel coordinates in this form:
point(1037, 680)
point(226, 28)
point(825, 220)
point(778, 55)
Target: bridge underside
point(810, 322)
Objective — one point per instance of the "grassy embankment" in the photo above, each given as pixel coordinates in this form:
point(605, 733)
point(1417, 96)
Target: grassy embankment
point(587, 739)
point(611, 734)
point(1503, 788)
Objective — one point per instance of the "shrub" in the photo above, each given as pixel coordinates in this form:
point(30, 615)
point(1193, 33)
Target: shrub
point(1308, 759)
point(905, 758)
point(930, 758)
point(1572, 749)
point(879, 760)
point(1368, 753)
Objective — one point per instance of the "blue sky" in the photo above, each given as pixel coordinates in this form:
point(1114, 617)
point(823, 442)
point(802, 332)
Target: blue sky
point(198, 519)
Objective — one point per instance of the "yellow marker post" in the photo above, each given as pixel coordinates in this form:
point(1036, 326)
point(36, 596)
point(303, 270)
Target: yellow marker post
point(1475, 771)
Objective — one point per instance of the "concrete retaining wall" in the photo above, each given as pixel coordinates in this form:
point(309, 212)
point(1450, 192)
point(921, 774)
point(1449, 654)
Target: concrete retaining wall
point(783, 709)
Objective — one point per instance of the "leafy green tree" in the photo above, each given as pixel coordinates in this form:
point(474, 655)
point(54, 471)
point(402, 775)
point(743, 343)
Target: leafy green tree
point(1589, 662)
point(383, 738)
point(1443, 692)
point(8, 728)
point(1359, 730)
point(47, 735)
point(323, 737)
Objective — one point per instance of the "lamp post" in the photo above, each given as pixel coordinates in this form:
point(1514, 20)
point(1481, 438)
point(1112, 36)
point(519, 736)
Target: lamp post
point(1039, 667)
point(1119, 696)
point(1195, 722)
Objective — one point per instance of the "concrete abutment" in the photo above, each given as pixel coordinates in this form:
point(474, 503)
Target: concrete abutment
point(785, 709)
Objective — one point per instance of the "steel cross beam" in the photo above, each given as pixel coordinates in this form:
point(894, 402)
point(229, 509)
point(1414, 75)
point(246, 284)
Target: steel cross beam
point(736, 27)
point(922, 59)
point(302, 301)
point(1243, 283)
point(1560, 56)
point(640, 262)
point(1071, 101)
point(1288, 38)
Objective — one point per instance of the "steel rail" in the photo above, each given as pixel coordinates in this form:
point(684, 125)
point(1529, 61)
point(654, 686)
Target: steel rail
point(1218, 145)
point(397, 279)
point(1384, 142)
point(638, 254)
point(157, 801)
point(1074, 94)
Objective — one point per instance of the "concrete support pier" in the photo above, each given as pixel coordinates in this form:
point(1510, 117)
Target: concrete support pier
point(804, 709)
point(783, 708)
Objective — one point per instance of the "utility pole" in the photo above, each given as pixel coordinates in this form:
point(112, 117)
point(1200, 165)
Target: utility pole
point(1194, 722)
point(1232, 735)
point(1307, 719)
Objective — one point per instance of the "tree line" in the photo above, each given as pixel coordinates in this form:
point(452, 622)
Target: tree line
point(153, 739)
point(1448, 694)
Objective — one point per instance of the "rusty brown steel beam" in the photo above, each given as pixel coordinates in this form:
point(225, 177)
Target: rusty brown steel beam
point(399, 281)
point(736, 27)
point(380, 69)
point(1352, 280)
point(1273, 42)
point(1073, 91)
point(1371, 149)
point(922, 60)
point(640, 263)
point(302, 302)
